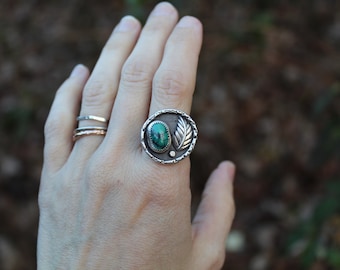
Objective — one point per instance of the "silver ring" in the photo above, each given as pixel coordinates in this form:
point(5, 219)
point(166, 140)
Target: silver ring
point(87, 131)
point(169, 136)
point(92, 117)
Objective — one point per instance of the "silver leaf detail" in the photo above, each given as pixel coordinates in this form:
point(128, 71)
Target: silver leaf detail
point(183, 134)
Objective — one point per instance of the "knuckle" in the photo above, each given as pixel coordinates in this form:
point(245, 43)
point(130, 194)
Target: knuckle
point(96, 178)
point(136, 72)
point(100, 181)
point(168, 195)
point(170, 84)
point(94, 93)
point(112, 45)
point(162, 194)
point(52, 127)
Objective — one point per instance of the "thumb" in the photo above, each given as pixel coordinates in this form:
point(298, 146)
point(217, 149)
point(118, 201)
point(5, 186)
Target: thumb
point(214, 217)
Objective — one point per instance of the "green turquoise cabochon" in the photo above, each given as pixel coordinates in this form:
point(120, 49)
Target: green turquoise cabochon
point(159, 138)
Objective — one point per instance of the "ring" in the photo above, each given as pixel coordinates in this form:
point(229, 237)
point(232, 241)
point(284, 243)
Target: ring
point(92, 117)
point(86, 131)
point(169, 136)
point(89, 128)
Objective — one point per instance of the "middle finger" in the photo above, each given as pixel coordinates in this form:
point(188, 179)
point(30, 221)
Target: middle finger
point(138, 72)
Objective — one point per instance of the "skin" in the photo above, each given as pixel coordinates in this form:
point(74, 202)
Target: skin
point(105, 204)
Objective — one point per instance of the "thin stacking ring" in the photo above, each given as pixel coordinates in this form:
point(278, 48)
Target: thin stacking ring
point(87, 131)
point(92, 117)
point(80, 129)
point(90, 130)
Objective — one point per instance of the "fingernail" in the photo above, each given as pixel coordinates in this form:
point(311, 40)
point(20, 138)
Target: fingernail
point(78, 70)
point(162, 9)
point(230, 167)
point(189, 21)
point(126, 24)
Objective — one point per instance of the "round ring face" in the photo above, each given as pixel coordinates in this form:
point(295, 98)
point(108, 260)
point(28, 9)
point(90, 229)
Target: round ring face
point(169, 136)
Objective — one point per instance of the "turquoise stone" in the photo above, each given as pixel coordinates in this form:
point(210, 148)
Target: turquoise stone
point(159, 136)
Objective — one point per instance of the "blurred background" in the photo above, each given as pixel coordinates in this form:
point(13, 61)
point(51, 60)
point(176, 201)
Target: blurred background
point(267, 98)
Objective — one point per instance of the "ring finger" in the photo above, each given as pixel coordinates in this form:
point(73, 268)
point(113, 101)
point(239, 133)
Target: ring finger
point(174, 81)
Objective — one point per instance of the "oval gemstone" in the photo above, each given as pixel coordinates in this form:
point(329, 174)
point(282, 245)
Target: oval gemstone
point(159, 136)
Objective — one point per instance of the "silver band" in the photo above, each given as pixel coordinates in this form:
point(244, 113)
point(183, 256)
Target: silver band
point(92, 117)
point(169, 136)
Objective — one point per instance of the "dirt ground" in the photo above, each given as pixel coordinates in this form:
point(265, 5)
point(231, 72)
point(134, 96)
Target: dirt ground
point(267, 98)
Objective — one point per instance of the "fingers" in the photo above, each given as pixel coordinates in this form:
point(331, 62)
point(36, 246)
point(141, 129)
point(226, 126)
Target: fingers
point(100, 91)
point(133, 97)
point(60, 122)
point(174, 82)
point(164, 58)
point(214, 217)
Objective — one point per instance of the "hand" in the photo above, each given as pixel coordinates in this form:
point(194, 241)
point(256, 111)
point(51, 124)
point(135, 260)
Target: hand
point(104, 203)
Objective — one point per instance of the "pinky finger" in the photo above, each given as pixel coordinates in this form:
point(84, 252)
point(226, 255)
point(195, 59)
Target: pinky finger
point(61, 119)
point(214, 217)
